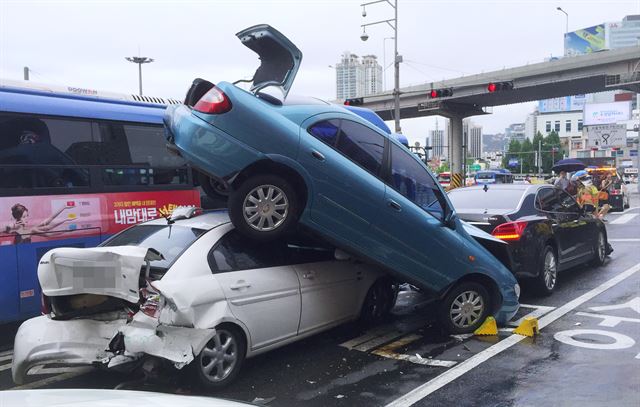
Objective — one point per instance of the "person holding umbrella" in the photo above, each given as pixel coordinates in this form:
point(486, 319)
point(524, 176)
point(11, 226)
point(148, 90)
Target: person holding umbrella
point(569, 165)
point(562, 181)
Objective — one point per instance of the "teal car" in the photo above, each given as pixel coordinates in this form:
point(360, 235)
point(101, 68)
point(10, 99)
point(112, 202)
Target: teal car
point(290, 162)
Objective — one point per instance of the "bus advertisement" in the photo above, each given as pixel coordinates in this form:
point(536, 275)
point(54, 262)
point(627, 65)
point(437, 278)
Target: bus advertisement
point(74, 170)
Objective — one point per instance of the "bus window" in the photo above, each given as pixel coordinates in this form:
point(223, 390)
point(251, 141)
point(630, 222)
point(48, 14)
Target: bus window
point(33, 152)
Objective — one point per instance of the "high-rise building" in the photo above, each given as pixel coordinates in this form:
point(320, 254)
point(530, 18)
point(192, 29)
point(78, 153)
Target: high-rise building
point(515, 131)
point(372, 75)
point(438, 138)
point(625, 33)
point(531, 125)
point(349, 76)
point(474, 139)
point(357, 78)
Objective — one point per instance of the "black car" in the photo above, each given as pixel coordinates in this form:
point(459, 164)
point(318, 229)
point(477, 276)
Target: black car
point(546, 229)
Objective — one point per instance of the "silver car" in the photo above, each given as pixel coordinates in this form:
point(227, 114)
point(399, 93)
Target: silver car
point(194, 292)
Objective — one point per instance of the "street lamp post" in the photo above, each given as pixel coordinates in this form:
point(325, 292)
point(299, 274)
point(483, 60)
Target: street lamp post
point(566, 19)
point(384, 62)
point(393, 23)
point(139, 61)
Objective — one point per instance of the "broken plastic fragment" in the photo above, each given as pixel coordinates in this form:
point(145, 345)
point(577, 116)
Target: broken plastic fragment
point(263, 401)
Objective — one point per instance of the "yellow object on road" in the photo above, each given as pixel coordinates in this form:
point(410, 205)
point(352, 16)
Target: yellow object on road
point(488, 327)
point(528, 327)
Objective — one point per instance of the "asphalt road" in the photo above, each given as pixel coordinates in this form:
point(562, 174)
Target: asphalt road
point(585, 354)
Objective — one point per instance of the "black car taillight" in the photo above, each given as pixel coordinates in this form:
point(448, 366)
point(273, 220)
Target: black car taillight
point(510, 231)
point(213, 102)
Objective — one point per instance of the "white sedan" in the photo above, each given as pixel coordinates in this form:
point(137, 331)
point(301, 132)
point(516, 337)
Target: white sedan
point(195, 292)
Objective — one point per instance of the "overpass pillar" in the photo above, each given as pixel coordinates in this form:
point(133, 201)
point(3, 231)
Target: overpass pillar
point(455, 151)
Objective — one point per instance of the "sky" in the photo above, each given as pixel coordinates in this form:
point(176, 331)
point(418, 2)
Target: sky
point(84, 43)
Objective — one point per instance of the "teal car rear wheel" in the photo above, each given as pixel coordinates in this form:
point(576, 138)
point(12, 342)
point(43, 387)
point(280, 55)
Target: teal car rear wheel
point(264, 207)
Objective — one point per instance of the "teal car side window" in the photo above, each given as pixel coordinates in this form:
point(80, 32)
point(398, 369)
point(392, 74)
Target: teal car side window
point(360, 144)
point(412, 181)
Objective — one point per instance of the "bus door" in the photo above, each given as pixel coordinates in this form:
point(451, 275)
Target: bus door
point(28, 256)
point(9, 304)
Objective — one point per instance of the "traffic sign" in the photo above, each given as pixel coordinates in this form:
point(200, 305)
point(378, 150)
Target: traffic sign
point(607, 135)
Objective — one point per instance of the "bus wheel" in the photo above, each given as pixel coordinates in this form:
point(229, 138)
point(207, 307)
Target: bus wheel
point(213, 188)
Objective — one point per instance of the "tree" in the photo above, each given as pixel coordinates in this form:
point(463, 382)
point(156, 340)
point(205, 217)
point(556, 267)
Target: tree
point(527, 156)
point(444, 167)
point(512, 152)
point(549, 157)
point(538, 139)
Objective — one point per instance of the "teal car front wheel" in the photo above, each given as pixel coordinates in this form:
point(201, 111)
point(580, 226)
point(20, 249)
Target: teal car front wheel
point(264, 207)
point(464, 308)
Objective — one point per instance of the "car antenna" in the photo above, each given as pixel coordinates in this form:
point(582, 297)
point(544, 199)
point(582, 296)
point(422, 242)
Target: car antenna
point(485, 188)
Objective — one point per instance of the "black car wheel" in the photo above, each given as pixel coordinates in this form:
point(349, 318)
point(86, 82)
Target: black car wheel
point(547, 277)
point(219, 362)
point(600, 250)
point(214, 189)
point(465, 308)
point(379, 301)
point(264, 207)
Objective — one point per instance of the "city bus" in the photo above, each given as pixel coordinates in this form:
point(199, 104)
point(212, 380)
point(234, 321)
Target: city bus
point(500, 176)
point(77, 167)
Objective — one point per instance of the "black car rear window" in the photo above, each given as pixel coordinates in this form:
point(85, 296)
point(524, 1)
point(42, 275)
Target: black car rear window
point(170, 240)
point(493, 198)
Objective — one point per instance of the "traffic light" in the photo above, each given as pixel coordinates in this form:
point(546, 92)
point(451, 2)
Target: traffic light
point(440, 93)
point(499, 86)
point(354, 102)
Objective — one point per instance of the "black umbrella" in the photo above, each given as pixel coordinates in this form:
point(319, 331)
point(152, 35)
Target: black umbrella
point(569, 165)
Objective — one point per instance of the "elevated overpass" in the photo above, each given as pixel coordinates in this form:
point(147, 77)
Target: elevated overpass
point(589, 73)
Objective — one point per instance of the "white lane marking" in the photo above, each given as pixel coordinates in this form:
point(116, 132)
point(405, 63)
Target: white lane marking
point(633, 304)
point(620, 341)
point(623, 219)
point(608, 320)
point(5, 367)
point(7, 352)
point(388, 351)
point(5, 357)
point(373, 343)
point(450, 375)
point(623, 240)
point(389, 332)
point(540, 310)
point(47, 381)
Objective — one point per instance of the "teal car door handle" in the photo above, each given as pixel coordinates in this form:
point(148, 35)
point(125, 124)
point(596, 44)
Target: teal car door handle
point(394, 205)
point(317, 155)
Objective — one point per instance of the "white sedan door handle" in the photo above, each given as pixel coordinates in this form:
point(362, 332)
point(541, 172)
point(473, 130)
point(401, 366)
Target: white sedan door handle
point(240, 284)
point(309, 275)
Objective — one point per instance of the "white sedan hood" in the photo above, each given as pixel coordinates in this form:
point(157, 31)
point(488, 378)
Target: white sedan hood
point(112, 271)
